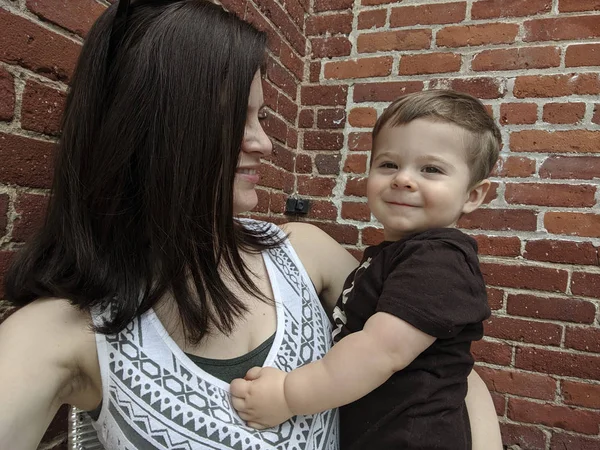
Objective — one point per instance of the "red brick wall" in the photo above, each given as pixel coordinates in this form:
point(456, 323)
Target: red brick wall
point(333, 67)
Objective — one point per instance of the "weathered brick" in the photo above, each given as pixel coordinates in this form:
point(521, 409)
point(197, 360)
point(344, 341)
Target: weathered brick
point(499, 219)
point(31, 209)
point(566, 195)
point(356, 187)
point(322, 209)
point(574, 224)
point(296, 12)
point(282, 78)
point(275, 127)
point(3, 212)
point(561, 252)
point(558, 362)
point(492, 352)
point(518, 383)
point(292, 138)
point(282, 157)
point(384, 41)
point(306, 118)
point(474, 35)
point(304, 163)
point(256, 18)
point(385, 92)
point(264, 199)
point(581, 394)
point(315, 71)
point(324, 95)
point(578, 5)
point(329, 47)
point(561, 28)
point(292, 61)
point(323, 140)
point(355, 164)
point(495, 298)
point(372, 235)
point(567, 418)
point(74, 15)
point(331, 118)
point(26, 162)
point(482, 88)
point(582, 55)
point(584, 339)
point(234, 6)
point(429, 63)
point(553, 308)
point(363, 117)
point(274, 177)
point(287, 108)
point(490, 9)
point(359, 68)
point(360, 141)
point(571, 168)
point(539, 86)
point(499, 401)
point(332, 5)
point(518, 113)
point(571, 141)
point(513, 329)
point(563, 441)
point(563, 112)
point(344, 234)
point(356, 211)
point(498, 245)
point(329, 23)
point(271, 95)
point(42, 108)
point(596, 117)
point(514, 166)
point(284, 24)
point(318, 186)
point(406, 16)
point(524, 437)
point(7, 95)
point(371, 19)
point(29, 45)
point(520, 276)
point(328, 164)
point(516, 58)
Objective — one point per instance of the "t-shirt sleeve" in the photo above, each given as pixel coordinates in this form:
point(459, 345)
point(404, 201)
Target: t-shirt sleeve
point(435, 288)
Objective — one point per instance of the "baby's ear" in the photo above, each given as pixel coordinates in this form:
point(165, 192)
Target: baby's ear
point(476, 195)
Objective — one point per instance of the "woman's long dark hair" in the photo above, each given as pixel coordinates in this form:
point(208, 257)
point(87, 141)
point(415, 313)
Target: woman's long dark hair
point(142, 198)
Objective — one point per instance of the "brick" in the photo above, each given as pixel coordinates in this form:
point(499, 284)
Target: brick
point(31, 209)
point(359, 68)
point(255, 17)
point(355, 164)
point(566, 195)
point(363, 117)
point(344, 234)
point(574, 224)
point(550, 415)
point(445, 13)
point(552, 308)
point(499, 219)
point(329, 24)
point(429, 63)
point(582, 55)
point(332, 5)
point(523, 330)
point(283, 23)
point(498, 245)
point(596, 117)
point(3, 213)
point(282, 78)
point(376, 2)
point(372, 19)
point(518, 113)
point(25, 161)
point(329, 47)
point(564, 252)
point(492, 352)
point(372, 235)
point(264, 199)
point(356, 187)
point(356, 211)
point(42, 108)
point(7, 95)
point(30, 46)
point(558, 362)
point(306, 118)
point(495, 298)
point(523, 437)
point(292, 61)
point(499, 403)
point(271, 95)
point(539, 86)
point(275, 127)
point(474, 35)
point(491, 9)
point(360, 141)
point(563, 441)
point(324, 95)
point(282, 157)
point(483, 88)
point(572, 141)
point(287, 108)
point(292, 138)
point(331, 118)
point(384, 41)
point(323, 140)
point(578, 5)
point(328, 164)
point(563, 112)
point(518, 383)
point(385, 92)
point(304, 163)
point(525, 277)
point(322, 209)
point(296, 12)
point(561, 28)
point(584, 339)
point(234, 6)
point(581, 394)
point(516, 58)
point(74, 15)
point(570, 168)
point(276, 178)
point(319, 186)
point(514, 166)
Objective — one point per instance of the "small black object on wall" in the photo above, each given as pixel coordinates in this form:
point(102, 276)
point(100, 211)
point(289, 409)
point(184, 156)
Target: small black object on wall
point(297, 206)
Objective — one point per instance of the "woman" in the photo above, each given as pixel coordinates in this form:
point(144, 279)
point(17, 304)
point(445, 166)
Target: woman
point(143, 295)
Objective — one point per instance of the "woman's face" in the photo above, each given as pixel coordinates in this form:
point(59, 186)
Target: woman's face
point(255, 145)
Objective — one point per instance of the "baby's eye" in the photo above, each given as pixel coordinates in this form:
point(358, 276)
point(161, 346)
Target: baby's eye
point(431, 169)
point(388, 165)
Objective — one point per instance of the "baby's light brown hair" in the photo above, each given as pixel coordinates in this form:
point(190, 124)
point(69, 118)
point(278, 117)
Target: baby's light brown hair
point(457, 108)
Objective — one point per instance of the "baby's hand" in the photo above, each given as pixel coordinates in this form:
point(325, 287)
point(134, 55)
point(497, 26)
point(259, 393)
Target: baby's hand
point(259, 398)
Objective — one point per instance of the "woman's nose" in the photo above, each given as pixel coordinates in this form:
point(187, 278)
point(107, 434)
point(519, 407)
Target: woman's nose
point(257, 141)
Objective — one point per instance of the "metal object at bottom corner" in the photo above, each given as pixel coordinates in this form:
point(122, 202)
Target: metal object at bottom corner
point(82, 435)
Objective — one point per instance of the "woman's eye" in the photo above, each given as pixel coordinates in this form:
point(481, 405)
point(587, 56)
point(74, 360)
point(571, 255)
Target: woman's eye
point(431, 169)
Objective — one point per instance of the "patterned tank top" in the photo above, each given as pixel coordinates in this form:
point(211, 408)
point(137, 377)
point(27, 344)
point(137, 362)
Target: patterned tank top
point(155, 397)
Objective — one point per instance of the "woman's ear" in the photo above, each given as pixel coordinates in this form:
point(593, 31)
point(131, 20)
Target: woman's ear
point(476, 195)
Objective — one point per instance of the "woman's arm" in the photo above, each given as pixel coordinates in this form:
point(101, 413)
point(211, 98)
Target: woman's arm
point(46, 349)
point(485, 430)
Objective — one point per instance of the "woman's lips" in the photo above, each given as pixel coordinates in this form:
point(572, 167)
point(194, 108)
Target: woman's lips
point(249, 175)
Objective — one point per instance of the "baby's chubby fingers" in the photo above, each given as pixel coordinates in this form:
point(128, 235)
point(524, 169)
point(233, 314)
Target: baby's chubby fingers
point(239, 388)
point(253, 373)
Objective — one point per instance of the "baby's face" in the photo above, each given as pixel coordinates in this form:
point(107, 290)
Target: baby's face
point(419, 177)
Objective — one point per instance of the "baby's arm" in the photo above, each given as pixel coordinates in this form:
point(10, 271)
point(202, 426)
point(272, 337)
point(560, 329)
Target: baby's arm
point(355, 366)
